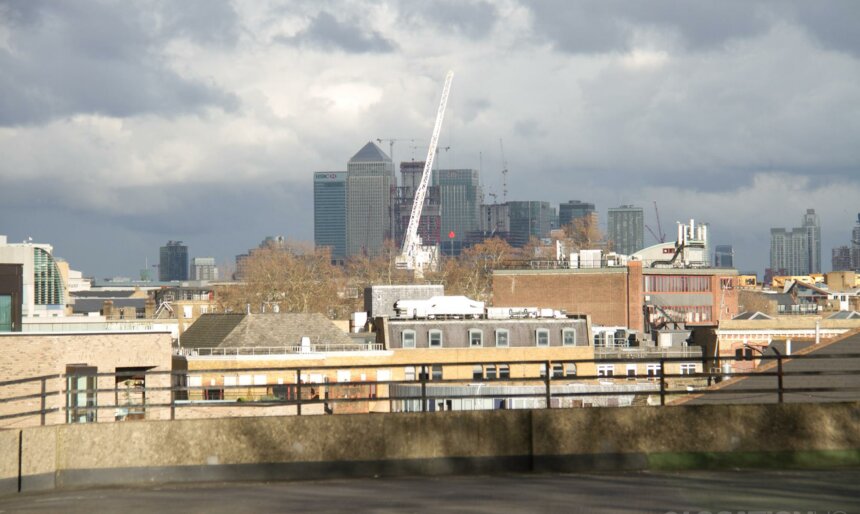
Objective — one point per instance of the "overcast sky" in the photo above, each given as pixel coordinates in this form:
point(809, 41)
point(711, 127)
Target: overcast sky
point(127, 123)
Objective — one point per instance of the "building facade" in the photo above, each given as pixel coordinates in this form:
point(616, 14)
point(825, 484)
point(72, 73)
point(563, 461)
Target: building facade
point(528, 219)
point(204, 268)
point(44, 291)
point(724, 256)
point(330, 212)
point(173, 262)
point(460, 199)
point(812, 226)
point(797, 251)
point(841, 259)
point(369, 183)
point(573, 210)
point(626, 229)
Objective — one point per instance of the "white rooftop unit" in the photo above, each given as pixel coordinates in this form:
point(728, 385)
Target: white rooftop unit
point(440, 306)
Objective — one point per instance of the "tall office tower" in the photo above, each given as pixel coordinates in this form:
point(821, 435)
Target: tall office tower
point(855, 246)
point(173, 262)
point(574, 209)
point(330, 212)
point(430, 224)
point(460, 198)
point(812, 226)
point(203, 268)
point(626, 229)
point(369, 183)
point(789, 251)
point(495, 221)
point(841, 259)
point(528, 219)
point(724, 256)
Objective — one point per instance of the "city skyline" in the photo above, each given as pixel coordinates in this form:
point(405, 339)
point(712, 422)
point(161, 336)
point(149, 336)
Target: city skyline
point(206, 128)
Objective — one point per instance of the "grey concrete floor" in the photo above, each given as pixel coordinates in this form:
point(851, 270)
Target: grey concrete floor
point(831, 491)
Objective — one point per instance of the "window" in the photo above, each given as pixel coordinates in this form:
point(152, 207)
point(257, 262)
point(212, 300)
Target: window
point(260, 380)
point(557, 370)
point(409, 372)
point(130, 394)
point(503, 338)
point(542, 337)
point(244, 380)
point(407, 339)
point(476, 338)
point(477, 372)
point(504, 371)
point(653, 370)
point(570, 369)
point(213, 393)
point(435, 338)
point(229, 381)
point(186, 311)
point(631, 371)
point(437, 372)
point(543, 370)
point(688, 368)
point(568, 337)
point(491, 372)
point(343, 375)
point(605, 370)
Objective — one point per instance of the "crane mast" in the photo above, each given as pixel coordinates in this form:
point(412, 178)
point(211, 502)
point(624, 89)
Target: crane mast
point(412, 255)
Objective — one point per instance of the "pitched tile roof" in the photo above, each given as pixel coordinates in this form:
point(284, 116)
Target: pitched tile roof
point(262, 330)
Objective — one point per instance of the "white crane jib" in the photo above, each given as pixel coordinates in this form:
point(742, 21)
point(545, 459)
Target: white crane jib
point(412, 255)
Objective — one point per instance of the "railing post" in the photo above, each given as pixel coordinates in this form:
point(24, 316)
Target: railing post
point(548, 384)
point(42, 401)
point(662, 382)
point(779, 378)
point(299, 392)
point(173, 396)
point(423, 377)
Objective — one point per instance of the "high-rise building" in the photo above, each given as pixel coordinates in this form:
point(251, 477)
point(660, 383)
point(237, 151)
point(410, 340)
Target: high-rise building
point(626, 229)
point(797, 251)
point(173, 262)
point(43, 285)
point(528, 219)
point(724, 256)
point(574, 209)
point(430, 224)
point(841, 259)
point(330, 212)
point(203, 268)
point(855, 246)
point(369, 183)
point(812, 226)
point(460, 199)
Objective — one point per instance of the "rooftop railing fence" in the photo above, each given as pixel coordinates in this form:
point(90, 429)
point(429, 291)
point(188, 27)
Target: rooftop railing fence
point(84, 393)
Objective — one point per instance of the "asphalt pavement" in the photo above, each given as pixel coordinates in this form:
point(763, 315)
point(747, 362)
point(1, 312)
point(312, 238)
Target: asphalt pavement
point(825, 491)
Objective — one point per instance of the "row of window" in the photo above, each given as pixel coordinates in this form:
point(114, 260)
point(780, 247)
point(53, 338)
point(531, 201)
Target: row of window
point(652, 370)
point(677, 284)
point(476, 338)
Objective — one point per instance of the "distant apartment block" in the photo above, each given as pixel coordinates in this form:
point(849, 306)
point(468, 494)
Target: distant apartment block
point(841, 258)
point(203, 268)
point(369, 183)
point(724, 256)
point(173, 262)
point(626, 229)
point(330, 212)
point(797, 251)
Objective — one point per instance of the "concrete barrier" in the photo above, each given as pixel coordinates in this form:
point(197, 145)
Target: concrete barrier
point(292, 447)
point(9, 458)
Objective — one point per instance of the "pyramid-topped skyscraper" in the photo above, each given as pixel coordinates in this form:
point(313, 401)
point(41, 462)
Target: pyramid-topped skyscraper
point(370, 178)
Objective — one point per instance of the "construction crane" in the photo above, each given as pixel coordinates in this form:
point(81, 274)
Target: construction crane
point(660, 236)
point(414, 256)
point(391, 142)
point(416, 147)
point(504, 172)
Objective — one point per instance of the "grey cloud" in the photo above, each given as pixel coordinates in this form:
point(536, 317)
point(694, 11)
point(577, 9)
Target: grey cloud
point(204, 21)
point(832, 23)
point(71, 58)
point(472, 19)
point(327, 32)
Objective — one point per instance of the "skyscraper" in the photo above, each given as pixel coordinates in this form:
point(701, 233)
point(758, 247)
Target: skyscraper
point(574, 209)
point(626, 229)
point(812, 226)
point(173, 262)
point(330, 212)
point(203, 268)
point(841, 258)
point(797, 251)
point(855, 246)
point(369, 182)
point(724, 256)
point(460, 198)
point(526, 220)
point(429, 226)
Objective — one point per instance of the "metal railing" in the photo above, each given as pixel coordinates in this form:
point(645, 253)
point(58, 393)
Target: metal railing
point(277, 350)
point(772, 382)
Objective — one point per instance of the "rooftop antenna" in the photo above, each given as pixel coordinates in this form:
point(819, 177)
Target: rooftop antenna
point(504, 173)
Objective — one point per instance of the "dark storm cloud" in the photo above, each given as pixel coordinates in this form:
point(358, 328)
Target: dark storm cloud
point(73, 57)
point(328, 33)
point(471, 19)
point(833, 23)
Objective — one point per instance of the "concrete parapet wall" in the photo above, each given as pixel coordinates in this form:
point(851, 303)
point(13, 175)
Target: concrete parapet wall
point(293, 447)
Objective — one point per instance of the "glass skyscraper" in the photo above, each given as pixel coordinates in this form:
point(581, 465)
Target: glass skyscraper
point(330, 212)
point(626, 229)
point(528, 219)
point(173, 262)
point(460, 198)
point(369, 182)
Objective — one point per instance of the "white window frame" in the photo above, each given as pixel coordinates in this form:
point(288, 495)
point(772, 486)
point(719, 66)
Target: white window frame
point(557, 370)
point(504, 371)
point(688, 368)
point(632, 367)
point(538, 333)
point(606, 370)
point(430, 334)
point(490, 372)
point(409, 373)
point(480, 333)
point(403, 339)
point(507, 334)
point(564, 334)
point(570, 369)
point(477, 372)
point(653, 370)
